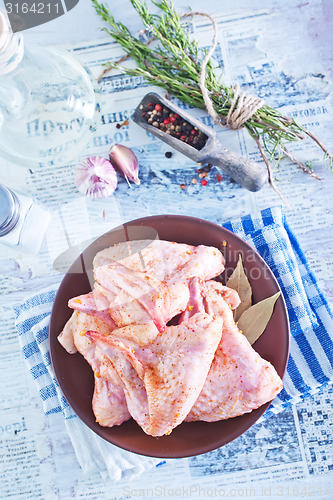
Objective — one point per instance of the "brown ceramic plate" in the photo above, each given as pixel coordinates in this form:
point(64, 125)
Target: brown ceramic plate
point(75, 376)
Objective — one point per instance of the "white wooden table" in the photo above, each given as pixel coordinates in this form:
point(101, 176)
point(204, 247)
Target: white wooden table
point(298, 38)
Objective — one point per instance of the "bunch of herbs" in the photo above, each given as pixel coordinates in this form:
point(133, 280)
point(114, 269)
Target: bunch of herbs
point(174, 61)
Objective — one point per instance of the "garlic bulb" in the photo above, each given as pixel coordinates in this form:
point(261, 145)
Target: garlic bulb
point(96, 177)
point(125, 161)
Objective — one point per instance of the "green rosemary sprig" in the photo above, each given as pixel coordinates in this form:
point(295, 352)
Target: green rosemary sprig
point(174, 64)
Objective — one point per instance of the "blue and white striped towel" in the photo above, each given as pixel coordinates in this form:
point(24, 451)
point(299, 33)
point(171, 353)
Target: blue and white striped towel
point(311, 348)
point(310, 364)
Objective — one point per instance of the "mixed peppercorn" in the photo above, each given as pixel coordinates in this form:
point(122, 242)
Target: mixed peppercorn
point(171, 123)
point(203, 174)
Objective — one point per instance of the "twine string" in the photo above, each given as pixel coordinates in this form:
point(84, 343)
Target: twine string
point(202, 81)
point(243, 106)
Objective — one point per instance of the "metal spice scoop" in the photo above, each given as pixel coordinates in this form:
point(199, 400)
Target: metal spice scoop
point(247, 173)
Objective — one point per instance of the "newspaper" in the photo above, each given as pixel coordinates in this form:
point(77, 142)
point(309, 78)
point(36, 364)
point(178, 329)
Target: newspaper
point(289, 455)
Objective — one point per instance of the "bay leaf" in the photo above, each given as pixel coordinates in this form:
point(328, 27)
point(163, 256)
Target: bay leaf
point(238, 281)
point(254, 320)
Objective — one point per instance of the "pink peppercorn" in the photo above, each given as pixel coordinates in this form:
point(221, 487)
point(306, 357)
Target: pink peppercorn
point(204, 182)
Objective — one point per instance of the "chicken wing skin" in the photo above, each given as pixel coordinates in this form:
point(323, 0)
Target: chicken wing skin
point(137, 297)
point(164, 259)
point(239, 379)
point(165, 376)
point(109, 402)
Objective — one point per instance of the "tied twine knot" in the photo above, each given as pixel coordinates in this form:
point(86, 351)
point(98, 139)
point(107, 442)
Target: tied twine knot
point(243, 107)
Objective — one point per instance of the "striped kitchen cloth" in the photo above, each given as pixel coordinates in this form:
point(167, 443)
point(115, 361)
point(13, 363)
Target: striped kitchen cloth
point(311, 344)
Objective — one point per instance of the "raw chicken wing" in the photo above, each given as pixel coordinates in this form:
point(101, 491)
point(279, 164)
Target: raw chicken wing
point(163, 379)
point(239, 380)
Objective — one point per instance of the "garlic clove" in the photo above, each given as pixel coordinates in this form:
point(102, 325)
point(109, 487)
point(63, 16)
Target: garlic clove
point(124, 160)
point(96, 177)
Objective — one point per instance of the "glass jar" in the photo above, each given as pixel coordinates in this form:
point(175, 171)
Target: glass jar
point(47, 102)
point(23, 222)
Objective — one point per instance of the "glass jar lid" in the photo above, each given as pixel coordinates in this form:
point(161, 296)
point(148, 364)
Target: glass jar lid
point(9, 210)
